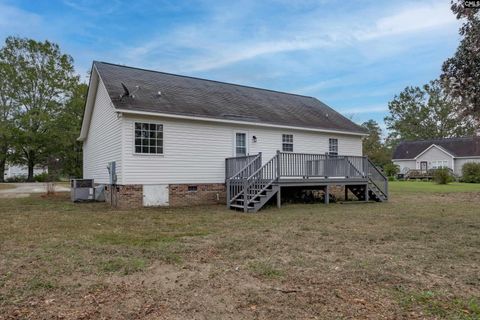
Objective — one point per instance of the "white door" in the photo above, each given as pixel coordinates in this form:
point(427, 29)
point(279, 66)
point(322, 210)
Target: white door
point(241, 144)
point(155, 195)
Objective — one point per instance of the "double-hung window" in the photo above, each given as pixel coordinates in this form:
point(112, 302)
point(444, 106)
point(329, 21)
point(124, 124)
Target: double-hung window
point(333, 147)
point(240, 144)
point(287, 142)
point(148, 138)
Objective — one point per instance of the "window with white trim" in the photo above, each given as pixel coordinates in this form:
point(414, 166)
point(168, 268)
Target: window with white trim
point(287, 142)
point(240, 144)
point(333, 146)
point(148, 138)
point(436, 164)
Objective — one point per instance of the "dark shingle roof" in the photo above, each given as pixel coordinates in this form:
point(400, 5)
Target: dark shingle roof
point(458, 147)
point(182, 95)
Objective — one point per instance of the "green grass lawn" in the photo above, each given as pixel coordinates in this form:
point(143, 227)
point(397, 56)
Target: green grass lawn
point(414, 257)
point(428, 186)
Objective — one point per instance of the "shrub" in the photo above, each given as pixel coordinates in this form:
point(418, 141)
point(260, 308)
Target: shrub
point(41, 177)
point(471, 172)
point(442, 176)
point(17, 179)
point(391, 169)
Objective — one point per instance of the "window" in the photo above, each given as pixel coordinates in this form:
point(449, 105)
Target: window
point(436, 164)
point(287, 142)
point(333, 147)
point(192, 188)
point(240, 144)
point(148, 138)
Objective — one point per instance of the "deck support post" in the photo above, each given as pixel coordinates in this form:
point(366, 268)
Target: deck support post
point(278, 164)
point(228, 193)
point(327, 194)
point(279, 197)
point(245, 195)
point(346, 193)
point(366, 192)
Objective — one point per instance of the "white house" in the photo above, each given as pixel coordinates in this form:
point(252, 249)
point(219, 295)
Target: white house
point(451, 153)
point(170, 135)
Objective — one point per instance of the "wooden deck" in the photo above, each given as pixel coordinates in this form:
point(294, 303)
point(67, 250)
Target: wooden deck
point(252, 183)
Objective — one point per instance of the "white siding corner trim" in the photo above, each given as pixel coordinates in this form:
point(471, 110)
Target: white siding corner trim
point(103, 143)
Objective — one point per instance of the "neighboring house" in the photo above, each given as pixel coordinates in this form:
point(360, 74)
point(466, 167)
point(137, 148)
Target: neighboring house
point(451, 153)
point(170, 135)
point(17, 171)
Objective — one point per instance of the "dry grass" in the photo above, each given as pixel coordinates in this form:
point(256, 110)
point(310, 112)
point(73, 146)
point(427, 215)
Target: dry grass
point(414, 257)
point(5, 186)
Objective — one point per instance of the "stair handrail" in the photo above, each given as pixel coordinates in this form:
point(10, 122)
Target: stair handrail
point(384, 190)
point(352, 166)
point(258, 156)
point(252, 179)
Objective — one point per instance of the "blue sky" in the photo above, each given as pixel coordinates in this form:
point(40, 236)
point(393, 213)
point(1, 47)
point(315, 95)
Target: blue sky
point(353, 55)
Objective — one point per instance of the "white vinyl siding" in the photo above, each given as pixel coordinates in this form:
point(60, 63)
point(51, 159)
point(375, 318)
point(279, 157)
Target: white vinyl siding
point(435, 156)
point(460, 162)
point(104, 140)
point(405, 165)
point(195, 151)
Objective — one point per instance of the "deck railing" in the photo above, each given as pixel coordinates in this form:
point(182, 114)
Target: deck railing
point(243, 166)
point(247, 176)
point(376, 177)
point(320, 165)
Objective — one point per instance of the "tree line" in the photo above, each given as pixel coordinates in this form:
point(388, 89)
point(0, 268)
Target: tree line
point(41, 107)
point(443, 108)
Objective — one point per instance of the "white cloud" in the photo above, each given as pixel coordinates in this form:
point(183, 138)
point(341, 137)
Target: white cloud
point(13, 18)
point(414, 18)
point(220, 43)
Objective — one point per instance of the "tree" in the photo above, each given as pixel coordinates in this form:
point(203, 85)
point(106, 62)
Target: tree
point(67, 129)
point(8, 108)
point(372, 144)
point(43, 79)
point(425, 113)
point(461, 73)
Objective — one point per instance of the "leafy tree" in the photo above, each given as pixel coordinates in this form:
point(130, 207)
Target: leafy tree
point(43, 79)
point(8, 108)
point(425, 113)
point(461, 73)
point(67, 129)
point(372, 144)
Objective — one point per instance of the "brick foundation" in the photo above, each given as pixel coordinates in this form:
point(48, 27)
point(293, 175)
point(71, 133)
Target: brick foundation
point(125, 196)
point(211, 193)
point(180, 195)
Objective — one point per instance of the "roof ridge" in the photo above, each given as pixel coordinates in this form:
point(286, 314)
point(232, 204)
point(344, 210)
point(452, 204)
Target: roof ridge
point(203, 79)
point(438, 139)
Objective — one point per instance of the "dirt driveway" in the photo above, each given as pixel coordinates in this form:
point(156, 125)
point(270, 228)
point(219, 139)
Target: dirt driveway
point(22, 190)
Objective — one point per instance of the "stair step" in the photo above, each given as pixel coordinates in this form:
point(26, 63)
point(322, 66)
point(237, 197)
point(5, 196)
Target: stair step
point(251, 201)
point(239, 206)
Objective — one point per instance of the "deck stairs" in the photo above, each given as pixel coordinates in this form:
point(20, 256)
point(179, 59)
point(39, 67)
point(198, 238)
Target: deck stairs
point(252, 184)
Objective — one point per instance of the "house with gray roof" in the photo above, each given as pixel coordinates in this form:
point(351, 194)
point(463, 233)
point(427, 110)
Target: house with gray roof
point(179, 140)
point(450, 153)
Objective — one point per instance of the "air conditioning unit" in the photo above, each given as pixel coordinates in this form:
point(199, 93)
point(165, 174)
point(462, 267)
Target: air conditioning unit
point(82, 190)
